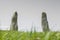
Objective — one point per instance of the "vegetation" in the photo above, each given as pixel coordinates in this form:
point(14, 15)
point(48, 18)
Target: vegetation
point(16, 35)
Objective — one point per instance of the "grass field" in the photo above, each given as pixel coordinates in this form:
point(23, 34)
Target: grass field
point(18, 35)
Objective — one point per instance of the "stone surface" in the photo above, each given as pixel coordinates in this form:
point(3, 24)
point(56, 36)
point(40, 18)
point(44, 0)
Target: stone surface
point(14, 25)
point(45, 26)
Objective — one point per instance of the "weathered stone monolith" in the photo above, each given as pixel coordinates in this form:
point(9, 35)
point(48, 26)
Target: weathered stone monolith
point(14, 25)
point(45, 26)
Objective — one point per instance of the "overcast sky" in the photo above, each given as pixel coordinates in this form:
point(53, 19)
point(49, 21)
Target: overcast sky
point(29, 13)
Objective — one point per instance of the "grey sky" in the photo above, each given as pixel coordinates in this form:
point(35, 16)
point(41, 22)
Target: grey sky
point(29, 11)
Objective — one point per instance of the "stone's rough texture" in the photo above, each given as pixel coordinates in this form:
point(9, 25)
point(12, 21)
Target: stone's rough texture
point(14, 25)
point(45, 25)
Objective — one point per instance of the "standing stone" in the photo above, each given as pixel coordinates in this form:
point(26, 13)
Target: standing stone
point(14, 25)
point(45, 25)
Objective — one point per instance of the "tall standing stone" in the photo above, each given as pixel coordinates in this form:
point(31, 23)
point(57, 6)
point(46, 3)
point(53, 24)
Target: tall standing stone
point(45, 25)
point(14, 25)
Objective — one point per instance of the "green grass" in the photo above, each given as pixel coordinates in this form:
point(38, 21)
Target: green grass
point(18, 35)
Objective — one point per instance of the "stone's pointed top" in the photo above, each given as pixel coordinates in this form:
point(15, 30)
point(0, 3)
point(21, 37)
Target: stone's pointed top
point(15, 12)
point(44, 14)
